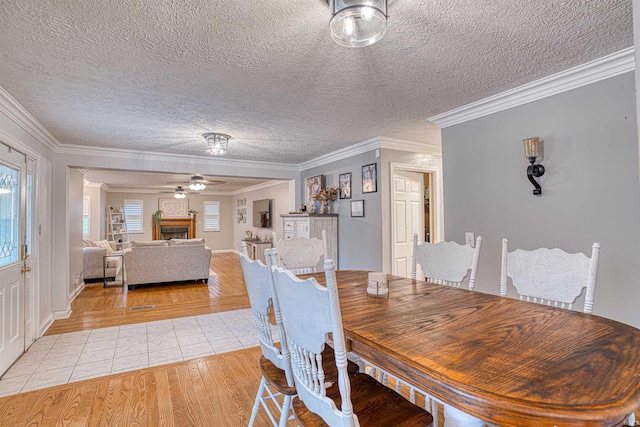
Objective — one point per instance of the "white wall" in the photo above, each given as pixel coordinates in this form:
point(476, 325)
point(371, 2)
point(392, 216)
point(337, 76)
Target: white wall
point(95, 211)
point(215, 240)
point(590, 191)
point(74, 211)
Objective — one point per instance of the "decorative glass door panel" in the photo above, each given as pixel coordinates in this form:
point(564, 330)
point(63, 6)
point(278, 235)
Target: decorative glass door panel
point(9, 214)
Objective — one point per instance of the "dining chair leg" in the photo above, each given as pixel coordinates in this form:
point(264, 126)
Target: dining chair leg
point(256, 404)
point(456, 418)
point(286, 410)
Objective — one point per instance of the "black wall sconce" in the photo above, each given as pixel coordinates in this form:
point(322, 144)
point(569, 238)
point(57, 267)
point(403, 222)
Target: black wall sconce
point(532, 151)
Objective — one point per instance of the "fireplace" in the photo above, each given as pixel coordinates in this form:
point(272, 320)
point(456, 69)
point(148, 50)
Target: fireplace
point(167, 233)
point(174, 228)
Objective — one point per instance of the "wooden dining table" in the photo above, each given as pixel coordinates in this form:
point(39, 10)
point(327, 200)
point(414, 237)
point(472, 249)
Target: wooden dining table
point(501, 360)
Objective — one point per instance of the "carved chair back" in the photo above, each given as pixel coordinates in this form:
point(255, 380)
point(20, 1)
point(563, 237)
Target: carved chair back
point(300, 255)
point(446, 263)
point(259, 281)
point(310, 312)
point(550, 276)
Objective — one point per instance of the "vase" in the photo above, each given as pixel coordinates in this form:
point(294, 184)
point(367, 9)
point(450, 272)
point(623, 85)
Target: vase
point(325, 207)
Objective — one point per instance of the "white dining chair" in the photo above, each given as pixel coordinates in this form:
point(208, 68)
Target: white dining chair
point(446, 263)
point(310, 312)
point(277, 376)
point(300, 255)
point(550, 276)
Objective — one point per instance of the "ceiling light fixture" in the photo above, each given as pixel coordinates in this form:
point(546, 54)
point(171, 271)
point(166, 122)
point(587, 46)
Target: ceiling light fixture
point(216, 143)
point(179, 193)
point(357, 23)
point(196, 183)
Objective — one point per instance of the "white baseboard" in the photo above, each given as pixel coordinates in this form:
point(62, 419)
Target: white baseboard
point(225, 251)
point(45, 325)
point(77, 291)
point(62, 314)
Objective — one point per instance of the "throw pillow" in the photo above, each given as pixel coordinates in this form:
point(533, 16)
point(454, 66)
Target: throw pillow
point(88, 243)
point(186, 242)
point(142, 243)
point(104, 244)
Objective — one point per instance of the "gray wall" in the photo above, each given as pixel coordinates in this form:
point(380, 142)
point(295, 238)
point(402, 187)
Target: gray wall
point(590, 189)
point(359, 239)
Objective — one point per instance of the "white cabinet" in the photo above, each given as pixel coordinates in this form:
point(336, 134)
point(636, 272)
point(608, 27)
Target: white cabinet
point(256, 249)
point(311, 225)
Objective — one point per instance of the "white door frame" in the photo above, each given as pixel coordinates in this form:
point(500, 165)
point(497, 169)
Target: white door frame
point(436, 173)
point(34, 263)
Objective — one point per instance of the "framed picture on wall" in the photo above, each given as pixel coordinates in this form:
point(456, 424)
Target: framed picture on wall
point(369, 178)
point(357, 208)
point(344, 180)
point(312, 185)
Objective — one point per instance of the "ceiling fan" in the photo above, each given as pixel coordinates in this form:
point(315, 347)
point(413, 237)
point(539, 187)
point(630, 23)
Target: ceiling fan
point(196, 183)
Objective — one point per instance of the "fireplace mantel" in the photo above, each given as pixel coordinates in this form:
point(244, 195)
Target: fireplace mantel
point(175, 222)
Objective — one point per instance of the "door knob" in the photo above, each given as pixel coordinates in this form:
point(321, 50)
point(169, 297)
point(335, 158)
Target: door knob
point(26, 269)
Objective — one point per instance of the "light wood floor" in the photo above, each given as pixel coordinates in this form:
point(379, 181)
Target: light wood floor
point(98, 307)
point(212, 391)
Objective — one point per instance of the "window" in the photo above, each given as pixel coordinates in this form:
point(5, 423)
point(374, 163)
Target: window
point(211, 216)
point(133, 214)
point(86, 214)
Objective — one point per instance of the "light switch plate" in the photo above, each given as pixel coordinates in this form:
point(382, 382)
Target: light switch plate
point(469, 238)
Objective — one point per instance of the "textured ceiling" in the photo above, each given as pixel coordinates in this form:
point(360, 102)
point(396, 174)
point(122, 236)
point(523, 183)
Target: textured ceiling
point(164, 182)
point(155, 74)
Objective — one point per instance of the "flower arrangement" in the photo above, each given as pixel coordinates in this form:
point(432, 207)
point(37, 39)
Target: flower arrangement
point(328, 194)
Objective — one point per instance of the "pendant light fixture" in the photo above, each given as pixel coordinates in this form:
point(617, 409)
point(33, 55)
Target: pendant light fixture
point(179, 193)
point(216, 143)
point(357, 23)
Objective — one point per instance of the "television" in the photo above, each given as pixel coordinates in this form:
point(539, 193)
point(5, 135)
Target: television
point(262, 213)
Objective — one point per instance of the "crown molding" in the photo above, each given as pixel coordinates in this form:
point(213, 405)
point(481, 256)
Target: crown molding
point(410, 146)
point(262, 186)
point(166, 192)
point(603, 68)
point(352, 150)
point(17, 113)
point(118, 153)
point(369, 145)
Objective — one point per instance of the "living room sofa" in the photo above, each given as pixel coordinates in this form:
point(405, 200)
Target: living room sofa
point(92, 258)
point(161, 261)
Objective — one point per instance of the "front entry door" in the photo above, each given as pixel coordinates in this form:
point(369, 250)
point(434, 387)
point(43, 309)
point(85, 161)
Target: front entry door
point(408, 218)
point(12, 237)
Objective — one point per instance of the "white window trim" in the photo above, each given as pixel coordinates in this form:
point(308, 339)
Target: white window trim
point(86, 202)
point(141, 203)
point(211, 202)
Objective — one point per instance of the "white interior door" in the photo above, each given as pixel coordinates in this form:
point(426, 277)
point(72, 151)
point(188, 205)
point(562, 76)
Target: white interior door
point(408, 218)
point(12, 236)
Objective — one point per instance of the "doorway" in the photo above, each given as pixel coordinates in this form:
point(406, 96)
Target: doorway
point(416, 208)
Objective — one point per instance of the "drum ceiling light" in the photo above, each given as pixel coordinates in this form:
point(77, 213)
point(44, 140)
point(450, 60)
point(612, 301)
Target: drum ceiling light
point(357, 23)
point(217, 143)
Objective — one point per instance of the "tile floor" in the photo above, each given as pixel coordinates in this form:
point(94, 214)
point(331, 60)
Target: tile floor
point(60, 359)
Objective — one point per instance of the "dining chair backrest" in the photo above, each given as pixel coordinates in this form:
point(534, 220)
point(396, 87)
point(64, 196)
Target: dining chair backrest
point(446, 263)
point(301, 255)
point(550, 276)
point(259, 282)
point(310, 312)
